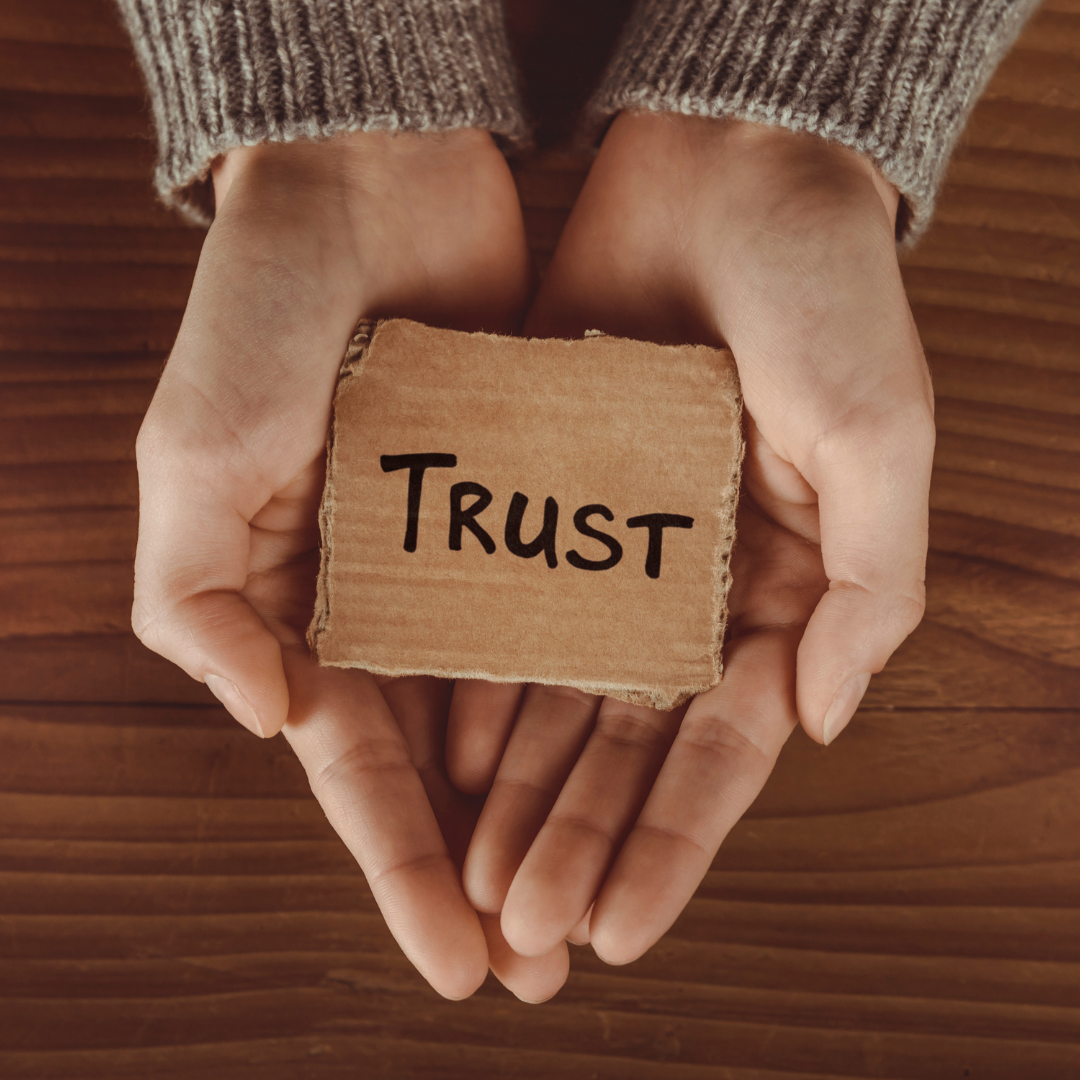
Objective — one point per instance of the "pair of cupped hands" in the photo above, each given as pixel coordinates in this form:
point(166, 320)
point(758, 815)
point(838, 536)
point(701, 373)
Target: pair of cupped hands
point(496, 823)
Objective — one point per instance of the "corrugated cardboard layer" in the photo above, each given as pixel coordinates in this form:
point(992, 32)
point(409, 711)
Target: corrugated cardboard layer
point(636, 428)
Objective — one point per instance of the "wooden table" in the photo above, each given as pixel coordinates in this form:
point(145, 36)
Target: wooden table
point(172, 902)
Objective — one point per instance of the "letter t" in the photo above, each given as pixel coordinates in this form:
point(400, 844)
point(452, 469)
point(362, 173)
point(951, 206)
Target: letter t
point(416, 464)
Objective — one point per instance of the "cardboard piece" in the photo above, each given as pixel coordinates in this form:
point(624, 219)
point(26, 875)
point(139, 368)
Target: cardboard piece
point(518, 510)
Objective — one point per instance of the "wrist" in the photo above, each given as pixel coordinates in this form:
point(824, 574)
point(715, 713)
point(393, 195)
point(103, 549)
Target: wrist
point(377, 214)
point(753, 171)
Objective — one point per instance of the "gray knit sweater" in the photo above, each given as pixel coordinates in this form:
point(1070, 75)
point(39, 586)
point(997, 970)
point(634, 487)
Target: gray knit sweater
point(892, 79)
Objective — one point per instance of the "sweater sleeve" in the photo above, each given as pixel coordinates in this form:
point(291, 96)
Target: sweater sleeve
point(228, 73)
point(892, 79)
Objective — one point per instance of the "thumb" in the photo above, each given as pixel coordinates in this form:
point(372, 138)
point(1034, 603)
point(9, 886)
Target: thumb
point(190, 565)
point(872, 475)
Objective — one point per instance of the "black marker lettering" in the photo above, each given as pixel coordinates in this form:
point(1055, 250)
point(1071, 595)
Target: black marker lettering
point(416, 464)
point(656, 524)
point(581, 523)
point(467, 518)
point(545, 540)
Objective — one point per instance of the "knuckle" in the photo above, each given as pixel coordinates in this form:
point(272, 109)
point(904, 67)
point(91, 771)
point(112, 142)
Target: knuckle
point(629, 728)
point(579, 700)
point(909, 608)
point(892, 436)
point(346, 771)
point(723, 739)
point(579, 823)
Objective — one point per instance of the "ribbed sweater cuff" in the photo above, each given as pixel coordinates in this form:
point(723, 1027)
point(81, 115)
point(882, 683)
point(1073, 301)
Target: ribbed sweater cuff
point(892, 79)
point(228, 73)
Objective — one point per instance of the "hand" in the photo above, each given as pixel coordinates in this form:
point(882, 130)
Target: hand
point(309, 238)
point(781, 246)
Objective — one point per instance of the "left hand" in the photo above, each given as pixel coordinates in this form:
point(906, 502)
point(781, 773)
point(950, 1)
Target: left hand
point(603, 817)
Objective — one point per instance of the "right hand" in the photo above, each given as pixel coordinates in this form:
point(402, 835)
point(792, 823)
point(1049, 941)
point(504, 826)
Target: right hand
point(310, 238)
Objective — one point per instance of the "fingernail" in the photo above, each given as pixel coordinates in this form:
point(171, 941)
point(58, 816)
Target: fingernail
point(229, 695)
point(843, 706)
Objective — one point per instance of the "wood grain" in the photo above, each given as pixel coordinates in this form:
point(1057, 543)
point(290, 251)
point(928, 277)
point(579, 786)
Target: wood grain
point(173, 903)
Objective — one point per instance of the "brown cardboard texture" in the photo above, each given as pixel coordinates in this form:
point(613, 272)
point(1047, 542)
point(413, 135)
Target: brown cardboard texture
point(541, 511)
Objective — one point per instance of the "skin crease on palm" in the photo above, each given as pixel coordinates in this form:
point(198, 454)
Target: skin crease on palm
point(601, 817)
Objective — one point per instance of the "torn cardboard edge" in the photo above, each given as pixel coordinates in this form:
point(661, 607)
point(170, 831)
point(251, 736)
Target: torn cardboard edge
point(643, 693)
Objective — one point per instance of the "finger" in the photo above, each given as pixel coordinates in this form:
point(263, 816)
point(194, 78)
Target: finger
point(530, 978)
point(565, 866)
point(725, 749)
point(873, 482)
point(580, 934)
point(481, 716)
point(359, 766)
point(191, 563)
point(420, 706)
point(550, 731)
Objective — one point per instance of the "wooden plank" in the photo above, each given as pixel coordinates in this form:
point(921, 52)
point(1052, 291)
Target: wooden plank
point(941, 667)
point(82, 201)
point(21, 242)
point(83, 439)
point(194, 856)
point(1032, 821)
point(343, 1056)
point(1013, 125)
point(93, 668)
point(100, 159)
point(803, 969)
point(1012, 461)
point(980, 169)
point(54, 937)
point(897, 759)
point(618, 1026)
point(54, 536)
point(1001, 382)
point(338, 1055)
point(74, 484)
point(1004, 255)
point(1013, 545)
point(1042, 213)
point(1054, 884)
point(26, 114)
point(1040, 76)
point(94, 750)
point(1029, 613)
point(87, 368)
point(68, 22)
point(1054, 30)
point(1027, 427)
point(100, 397)
point(61, 893)
point(697, 1011)
point(47, 68)
point(962, 289)
point(1036, 342)
point(997, 500)
point(66, 598)
point(137, 819)
point(64, 331)
point(99, 286)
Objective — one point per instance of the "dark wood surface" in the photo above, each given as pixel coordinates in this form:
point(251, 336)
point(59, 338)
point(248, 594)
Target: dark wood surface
point(172, 901)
